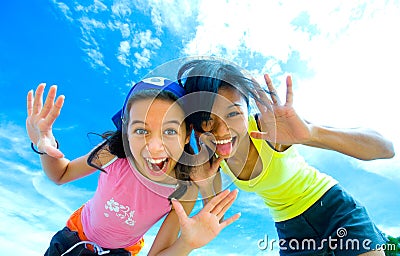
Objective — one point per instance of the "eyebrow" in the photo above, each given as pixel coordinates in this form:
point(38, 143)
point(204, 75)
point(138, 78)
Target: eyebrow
point(141, 122)
point(235, 105)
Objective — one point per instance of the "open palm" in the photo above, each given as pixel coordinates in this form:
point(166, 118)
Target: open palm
point(279, 123)
point(203, 227)
point(41, 118)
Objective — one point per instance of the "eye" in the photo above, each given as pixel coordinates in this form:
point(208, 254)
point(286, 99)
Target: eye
point(140, 131)
point(234, 113)
point(170, 132)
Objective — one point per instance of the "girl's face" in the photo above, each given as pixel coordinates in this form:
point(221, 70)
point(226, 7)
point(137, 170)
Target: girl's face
point(157, 135)
point(227, 126)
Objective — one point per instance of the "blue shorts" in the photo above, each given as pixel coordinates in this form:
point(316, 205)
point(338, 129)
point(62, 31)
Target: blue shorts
point(334, 225)
point(66, 239)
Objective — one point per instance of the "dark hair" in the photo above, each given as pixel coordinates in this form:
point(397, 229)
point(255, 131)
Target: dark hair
point(113, 141)
point(209, 75)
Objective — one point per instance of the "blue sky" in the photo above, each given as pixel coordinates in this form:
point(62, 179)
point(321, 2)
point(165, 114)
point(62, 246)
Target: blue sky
point(343, 56)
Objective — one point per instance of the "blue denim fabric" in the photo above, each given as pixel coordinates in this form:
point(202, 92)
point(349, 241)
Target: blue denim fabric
point(335, 225)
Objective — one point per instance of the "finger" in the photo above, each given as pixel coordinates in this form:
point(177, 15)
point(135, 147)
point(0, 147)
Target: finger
point(259, 135)
point(55, 111)
point(215, 201)
point(224, 205)
point(216, 163)
point(48, 104)
point(38, 99)
point(262, 96)
point(29, 102)
point(230, 220)
point(180, 212)
point(53, 152)
point(289, 91)
point(203, 156)
point(272, 90)
point(264, 108)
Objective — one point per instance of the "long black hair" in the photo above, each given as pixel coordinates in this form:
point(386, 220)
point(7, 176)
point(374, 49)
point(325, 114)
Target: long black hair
point(209, 75)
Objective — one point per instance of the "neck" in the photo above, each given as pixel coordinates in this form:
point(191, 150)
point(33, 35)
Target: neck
point(244, 163)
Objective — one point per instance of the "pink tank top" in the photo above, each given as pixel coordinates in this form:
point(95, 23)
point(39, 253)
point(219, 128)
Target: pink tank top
point(124, 206)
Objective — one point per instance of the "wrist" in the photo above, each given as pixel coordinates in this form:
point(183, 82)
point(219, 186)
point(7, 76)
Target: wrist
point(184, 248)
point(314, 134)
point(207, 190)
point(37, 151)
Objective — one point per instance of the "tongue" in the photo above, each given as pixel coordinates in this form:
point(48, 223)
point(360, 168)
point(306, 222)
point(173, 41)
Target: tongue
point(224, 149)
point(158, 167)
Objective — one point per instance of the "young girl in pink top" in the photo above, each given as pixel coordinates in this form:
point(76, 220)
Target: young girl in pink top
point(141, 170)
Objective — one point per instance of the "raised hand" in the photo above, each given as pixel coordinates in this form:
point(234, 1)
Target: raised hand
point(203, 227)
point(41, 118)
point(280, 122)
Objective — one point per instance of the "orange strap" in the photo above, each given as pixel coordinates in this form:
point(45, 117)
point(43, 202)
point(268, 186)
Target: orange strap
point(74, 223)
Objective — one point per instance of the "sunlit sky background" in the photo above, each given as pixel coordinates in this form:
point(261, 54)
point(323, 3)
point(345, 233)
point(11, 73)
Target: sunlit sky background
point(343, 56)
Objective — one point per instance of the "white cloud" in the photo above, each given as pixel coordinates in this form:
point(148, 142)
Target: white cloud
point(124, 53)
point(97, 58)
point(388, 168)
point(142, 59)
point(125, 31)
point(225, 28)
point(33, 208)
point(143, 39)
point(96, 7)
point(176, 15)
point(89, 24)
point(390, 231)
point(121, 8)
point(64, 9)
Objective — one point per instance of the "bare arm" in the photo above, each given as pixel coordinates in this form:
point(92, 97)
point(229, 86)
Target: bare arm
point(361, 143)
point(62, 170)
point(168, 233)
point(281, 124)
point(39, 123)
point(196, 231)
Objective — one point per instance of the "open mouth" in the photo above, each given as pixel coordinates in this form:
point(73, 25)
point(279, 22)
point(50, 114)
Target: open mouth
point(157, 167)
point(224, 147)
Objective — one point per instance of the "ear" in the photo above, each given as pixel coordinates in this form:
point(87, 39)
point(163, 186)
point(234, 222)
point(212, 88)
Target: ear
point(187, 140)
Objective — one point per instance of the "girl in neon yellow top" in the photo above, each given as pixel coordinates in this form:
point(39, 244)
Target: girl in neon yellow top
point(257, 153)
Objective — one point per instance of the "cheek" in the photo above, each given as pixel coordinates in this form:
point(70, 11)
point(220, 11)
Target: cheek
point(239, 125)
point(175, 146)
point(135, 145)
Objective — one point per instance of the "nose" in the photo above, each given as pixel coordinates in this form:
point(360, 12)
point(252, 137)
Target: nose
point(220, 128)
point(155, 145)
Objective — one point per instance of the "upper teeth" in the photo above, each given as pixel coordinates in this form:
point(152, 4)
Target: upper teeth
point(222, 141)
point(156, 161)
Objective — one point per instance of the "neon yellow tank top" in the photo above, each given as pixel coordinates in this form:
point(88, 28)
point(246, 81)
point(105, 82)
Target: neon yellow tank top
point(287, 184)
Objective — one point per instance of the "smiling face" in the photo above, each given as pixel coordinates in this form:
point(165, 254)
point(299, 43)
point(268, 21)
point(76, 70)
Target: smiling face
point(157, 135)
point(227, 127)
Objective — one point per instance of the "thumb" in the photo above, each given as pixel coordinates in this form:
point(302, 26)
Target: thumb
point(216, 163)
point(259, 135)
point(53, 152)
point(180, 212)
